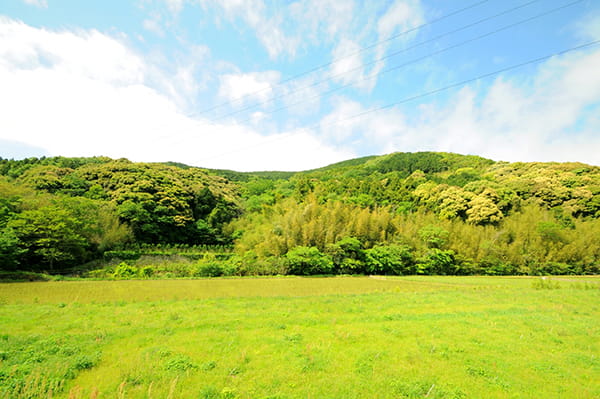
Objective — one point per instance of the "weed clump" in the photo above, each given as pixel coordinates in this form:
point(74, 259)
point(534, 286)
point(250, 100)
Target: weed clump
point(180, 364)
point(544, 283)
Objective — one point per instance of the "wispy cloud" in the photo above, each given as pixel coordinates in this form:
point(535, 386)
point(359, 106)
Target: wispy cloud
point(267, 26)
point(37, 3)
point(589, 27)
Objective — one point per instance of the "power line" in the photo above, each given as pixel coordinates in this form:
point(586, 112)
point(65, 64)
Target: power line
point(425, 94)
point(332, 77)
point(327, 64)
point(464, 82)
point(394, 68)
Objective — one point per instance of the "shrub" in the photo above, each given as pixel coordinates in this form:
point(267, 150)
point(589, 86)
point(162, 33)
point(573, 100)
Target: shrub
point(84, 362)
point(210, 269)
point(558, 268)
point(146, 271)
point(496, 267)
point(308, 261)
point(125, 271)
point(347, 255)
point(390, 259)
point(438, 261)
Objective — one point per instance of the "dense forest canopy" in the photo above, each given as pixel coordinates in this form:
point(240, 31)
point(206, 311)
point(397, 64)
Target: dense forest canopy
point(402, 213)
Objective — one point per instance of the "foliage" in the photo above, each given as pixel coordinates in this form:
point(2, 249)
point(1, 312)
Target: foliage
point(125, 271)
point(390, 259)
point(496, 217)
point(438, 262)
point(308, 261)
point(210, 269)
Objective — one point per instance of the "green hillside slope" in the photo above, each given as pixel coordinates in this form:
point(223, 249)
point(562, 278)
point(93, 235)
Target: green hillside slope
point(401, 213)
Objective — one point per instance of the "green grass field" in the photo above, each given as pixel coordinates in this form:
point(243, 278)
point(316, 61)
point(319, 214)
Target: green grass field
point(344, 337)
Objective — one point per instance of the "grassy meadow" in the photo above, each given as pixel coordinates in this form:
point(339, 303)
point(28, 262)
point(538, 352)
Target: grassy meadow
point(342, 337)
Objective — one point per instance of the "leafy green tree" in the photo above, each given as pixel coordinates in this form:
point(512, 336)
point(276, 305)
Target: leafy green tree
point(303, 187)
point(50, 236)
point(347, 255)
point(453, 202)
point(483, 211)
point(11, 249)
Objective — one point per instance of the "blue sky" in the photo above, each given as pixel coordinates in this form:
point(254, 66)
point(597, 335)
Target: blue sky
point(226, 84)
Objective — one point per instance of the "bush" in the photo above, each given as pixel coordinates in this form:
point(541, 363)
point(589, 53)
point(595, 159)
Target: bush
point(347, 255)
point(146, 271)
point(308, 261)
point(125, 271)
point(434, 236)
point(269, 266)
point(390, 259)
point(438, 262)
point(210, 269)
point(496, 267)
point(558, 268)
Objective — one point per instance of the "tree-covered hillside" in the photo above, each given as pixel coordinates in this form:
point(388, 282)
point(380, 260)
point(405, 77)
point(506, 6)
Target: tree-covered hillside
point(58, 212)
point(402, 213)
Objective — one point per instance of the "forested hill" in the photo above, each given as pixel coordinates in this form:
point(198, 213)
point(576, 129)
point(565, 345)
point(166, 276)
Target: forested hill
point(64, 211)
point(398, 213)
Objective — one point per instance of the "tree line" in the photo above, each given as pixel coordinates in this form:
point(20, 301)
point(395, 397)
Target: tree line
point(402, 213)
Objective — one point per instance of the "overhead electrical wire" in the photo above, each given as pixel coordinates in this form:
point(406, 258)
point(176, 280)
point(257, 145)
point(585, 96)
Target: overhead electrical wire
point(389, 55)
point(425, 94)
point(471, 80)
point(437, 52)
point(363, 49)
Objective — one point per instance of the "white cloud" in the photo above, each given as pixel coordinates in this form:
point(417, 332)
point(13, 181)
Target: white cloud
point(98, 104)
point(323, 20)
point(543, 119)
point(37, 3)
point(268, 28)
point(360, 66)
point(89, 54)
point(371, 132)
point(294, 151)
point(401, 16)
point(552, 116)
point(242, 87)
point(347, 66)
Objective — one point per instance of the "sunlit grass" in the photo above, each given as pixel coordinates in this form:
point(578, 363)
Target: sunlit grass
point(153, 290)
point(415, 337)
